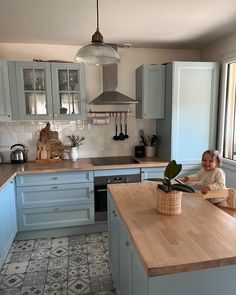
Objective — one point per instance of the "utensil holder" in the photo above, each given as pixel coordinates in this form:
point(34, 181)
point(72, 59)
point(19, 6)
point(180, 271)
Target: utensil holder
point(150, 151)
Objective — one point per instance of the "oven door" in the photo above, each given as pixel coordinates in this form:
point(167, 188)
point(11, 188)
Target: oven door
point(100, 195)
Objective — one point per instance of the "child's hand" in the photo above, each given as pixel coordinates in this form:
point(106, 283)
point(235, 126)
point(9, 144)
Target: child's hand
point(205, 190)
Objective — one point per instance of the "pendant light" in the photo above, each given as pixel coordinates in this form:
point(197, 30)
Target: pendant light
point(97, 52)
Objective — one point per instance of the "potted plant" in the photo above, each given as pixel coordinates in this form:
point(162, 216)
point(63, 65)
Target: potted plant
point(75, 142)
point(169, 194)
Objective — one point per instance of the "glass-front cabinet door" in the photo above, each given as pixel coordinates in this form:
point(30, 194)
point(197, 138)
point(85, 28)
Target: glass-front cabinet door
point(34, 90)
point(68, 91)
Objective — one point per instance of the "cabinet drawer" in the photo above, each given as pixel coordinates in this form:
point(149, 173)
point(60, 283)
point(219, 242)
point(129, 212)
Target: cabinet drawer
point(54, 178)
point(44, 218)
point(54, 195)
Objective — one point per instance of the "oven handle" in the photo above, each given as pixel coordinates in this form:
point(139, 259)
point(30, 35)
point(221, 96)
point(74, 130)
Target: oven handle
point(101, 190)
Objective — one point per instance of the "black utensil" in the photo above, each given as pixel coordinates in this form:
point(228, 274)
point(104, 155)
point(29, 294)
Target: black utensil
point(116, 137)
point(126, 135)
point(121, 135)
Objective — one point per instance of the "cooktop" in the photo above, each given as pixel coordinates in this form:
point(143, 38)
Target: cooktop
point(113, 160)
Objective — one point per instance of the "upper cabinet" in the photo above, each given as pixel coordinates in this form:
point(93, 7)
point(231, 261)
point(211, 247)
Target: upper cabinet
point(189, 126)
point(49, 91)
point(5, 102)
point(68, 90)
point(150, 91)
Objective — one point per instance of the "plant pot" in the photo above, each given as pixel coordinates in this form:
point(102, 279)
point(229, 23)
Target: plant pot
point(150, 151)
point(169, 203)
point(74, 153)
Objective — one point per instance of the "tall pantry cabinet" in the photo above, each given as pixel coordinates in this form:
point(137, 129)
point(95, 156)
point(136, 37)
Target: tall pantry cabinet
point(189, 124)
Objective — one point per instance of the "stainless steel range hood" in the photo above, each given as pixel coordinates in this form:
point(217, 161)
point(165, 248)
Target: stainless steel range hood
point(110, 95)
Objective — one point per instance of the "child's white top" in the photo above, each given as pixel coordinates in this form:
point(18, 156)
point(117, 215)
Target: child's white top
point(214, 179)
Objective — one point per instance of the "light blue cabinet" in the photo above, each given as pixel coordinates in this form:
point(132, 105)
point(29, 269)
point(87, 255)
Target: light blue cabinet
point(8, 226)
point(113, 232)
point(128, 275)
point(150, 91)
point(189, 125)
point(5, 101)
point(68, 91)
point(152, 173)
point(159, 172)
point(54, 200)
point(47, 91)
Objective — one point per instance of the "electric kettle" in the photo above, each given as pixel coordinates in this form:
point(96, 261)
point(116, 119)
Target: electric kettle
point(18, 155)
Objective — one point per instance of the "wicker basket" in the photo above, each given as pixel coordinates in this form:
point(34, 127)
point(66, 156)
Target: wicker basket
point(169, 203)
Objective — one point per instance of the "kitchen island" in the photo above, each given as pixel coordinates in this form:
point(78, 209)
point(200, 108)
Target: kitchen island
point(192, 253)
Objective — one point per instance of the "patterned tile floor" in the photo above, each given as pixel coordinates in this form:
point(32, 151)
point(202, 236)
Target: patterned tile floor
point(67, 265)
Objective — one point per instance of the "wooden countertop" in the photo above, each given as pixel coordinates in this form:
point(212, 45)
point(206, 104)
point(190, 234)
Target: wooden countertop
point(202, 236)
point(9, 171)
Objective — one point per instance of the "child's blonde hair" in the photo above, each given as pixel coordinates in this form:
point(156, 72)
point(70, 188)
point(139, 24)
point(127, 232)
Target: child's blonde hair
point(215, 155)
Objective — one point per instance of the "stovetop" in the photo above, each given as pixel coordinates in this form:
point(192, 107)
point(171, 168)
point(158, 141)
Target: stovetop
point(113, 160)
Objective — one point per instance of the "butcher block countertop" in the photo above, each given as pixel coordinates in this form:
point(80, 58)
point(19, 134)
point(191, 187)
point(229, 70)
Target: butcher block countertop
point(9, 171)
point(201, 237)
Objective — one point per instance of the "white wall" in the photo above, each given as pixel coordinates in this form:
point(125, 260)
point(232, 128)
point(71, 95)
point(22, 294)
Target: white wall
point(221, 49)
point(99, 140)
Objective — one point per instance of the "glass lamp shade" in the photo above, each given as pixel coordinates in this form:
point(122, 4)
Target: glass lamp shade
point(97, 53)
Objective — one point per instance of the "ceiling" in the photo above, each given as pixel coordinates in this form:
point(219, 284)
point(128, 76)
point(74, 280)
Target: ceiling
point(142, 23)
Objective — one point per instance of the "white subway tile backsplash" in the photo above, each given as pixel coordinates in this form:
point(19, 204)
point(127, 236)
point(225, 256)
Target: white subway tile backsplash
point(98, 138)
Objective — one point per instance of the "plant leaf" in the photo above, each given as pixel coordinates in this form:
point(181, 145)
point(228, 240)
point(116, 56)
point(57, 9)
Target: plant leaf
point(183, 188)
point(172, 169)
point(155, 179)
point(165, 188)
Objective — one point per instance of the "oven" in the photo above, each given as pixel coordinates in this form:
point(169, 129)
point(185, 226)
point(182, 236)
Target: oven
point(100, 192)
point(104, 177)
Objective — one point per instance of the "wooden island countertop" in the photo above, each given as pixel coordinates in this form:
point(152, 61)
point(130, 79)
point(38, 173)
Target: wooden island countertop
point(201, 237)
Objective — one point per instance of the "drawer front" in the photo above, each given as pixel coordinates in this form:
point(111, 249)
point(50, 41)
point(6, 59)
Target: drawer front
point(54, 195)
point(54, 178)
point(44, 218)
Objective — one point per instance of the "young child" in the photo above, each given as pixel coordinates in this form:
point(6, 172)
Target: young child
point(211, 176)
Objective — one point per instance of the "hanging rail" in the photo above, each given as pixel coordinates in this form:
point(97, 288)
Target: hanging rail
point(109, 113)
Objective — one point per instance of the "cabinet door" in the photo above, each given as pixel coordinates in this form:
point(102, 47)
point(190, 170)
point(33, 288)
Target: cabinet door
point(7, 220)
point(189, 126)
point(152, 173)
point(34, 90)
point(150, 91)
point(5, 103)
point(125, 285)
point(68, 91)
point(113, 234)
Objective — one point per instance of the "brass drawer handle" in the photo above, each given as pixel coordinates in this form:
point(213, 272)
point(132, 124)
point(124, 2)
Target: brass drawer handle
point(56, 210)
point(54, 178)
point(55, 187)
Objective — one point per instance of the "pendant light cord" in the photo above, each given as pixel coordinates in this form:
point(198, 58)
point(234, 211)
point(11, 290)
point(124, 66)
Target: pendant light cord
point(97, 17)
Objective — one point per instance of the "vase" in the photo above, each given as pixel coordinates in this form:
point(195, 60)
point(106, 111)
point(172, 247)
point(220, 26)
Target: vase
point(169, 203)
point(150, 151)
point(74, 153)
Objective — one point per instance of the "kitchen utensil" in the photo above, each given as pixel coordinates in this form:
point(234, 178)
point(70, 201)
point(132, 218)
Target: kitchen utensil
point(121, 135)
point(18, 155)
point(116, 137)
point(153, 140)
point(126, 135)
point(141, 133)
